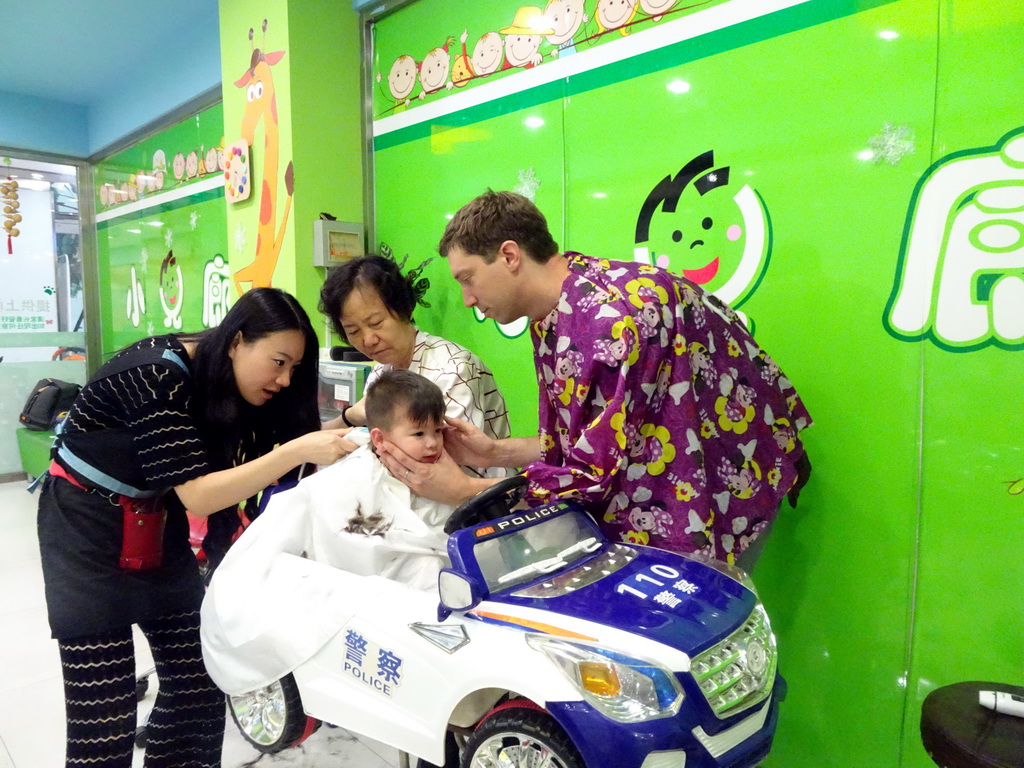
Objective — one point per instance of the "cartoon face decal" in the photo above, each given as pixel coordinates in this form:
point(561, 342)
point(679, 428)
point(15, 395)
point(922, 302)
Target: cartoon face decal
point(434, 70)
point(565, 17)
point(211, 160)
point(172, 289)
point(487, 54)
point(192, 165)
point(612, 14)
point(696, 224)
point(402, 77)
point(521, 50)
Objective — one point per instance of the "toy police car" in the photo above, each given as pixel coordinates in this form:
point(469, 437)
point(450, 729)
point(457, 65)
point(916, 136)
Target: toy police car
point(551, 647)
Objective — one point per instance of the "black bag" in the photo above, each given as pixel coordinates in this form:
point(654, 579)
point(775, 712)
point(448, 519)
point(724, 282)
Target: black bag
point(49, 400)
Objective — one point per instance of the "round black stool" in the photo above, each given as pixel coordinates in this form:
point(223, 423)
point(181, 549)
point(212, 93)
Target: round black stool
point(960, 733)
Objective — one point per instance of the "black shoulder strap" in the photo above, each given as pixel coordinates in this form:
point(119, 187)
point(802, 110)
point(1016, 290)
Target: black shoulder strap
point(78, 462)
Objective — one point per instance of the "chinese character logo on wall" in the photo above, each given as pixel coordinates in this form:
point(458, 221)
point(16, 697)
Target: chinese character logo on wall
point(960, 277)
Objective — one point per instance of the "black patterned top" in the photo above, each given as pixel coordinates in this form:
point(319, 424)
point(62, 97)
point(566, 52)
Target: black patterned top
point(149, 405)
point(132, 422)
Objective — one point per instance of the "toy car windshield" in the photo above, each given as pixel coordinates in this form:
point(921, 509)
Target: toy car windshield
point(522, 555)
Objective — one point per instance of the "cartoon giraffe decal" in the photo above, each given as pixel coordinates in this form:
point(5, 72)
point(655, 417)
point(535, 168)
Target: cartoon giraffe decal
point(262, 105)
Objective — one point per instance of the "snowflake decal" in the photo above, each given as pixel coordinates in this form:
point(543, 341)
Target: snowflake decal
point(240, 238)
point(892, 144)
point(193, 220)
point(528, 185)
point(168, 238)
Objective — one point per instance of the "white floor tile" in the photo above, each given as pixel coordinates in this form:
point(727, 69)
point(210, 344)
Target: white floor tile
point(32, 724)
point(27, 653)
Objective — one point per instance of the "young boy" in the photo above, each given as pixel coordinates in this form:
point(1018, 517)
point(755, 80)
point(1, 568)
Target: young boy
point(261, 616)
point(407, 410)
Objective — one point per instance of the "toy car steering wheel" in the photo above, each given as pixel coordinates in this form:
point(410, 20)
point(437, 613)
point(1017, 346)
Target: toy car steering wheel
point(497, 501)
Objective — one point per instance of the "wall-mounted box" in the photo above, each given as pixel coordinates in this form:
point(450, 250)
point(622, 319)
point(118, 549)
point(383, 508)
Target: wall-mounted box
point(341, 384)
point(335, 242)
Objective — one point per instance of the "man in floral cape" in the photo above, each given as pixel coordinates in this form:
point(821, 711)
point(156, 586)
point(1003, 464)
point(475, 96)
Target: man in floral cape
point(658, 410)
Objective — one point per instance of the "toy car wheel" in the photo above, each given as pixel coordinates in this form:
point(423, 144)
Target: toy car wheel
point(272, 719)
point(520, 737)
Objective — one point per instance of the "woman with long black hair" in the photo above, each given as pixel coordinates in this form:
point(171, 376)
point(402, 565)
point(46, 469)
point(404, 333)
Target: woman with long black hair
point(198, 422)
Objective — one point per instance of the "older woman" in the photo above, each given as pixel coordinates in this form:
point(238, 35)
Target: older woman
point(370, 304)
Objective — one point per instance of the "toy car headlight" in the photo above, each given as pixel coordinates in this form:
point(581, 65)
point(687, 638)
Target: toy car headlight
point(624, 688)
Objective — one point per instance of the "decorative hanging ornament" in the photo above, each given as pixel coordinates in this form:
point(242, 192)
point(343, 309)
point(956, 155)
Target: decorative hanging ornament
point(9, 193)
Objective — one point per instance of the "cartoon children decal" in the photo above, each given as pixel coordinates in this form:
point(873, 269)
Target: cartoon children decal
point(191, 165)
point(565, 17)
point(561, 24)
point(434, 70)
point(615, 14)
point(179, 167)
point(401, 82)
point(691, 225)
point(211, 163)
point(524, 36)
point(488, 54)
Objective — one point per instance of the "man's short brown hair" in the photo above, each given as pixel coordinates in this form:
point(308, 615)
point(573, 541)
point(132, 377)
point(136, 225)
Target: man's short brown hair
point(483, 224)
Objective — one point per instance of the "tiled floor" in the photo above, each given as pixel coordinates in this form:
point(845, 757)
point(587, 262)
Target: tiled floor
point(31, 697)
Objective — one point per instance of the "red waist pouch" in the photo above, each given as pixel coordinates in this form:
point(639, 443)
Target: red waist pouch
point(143, 545)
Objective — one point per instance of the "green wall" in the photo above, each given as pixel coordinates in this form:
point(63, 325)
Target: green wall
point(161, 235)
point(315, 81)
point(899, 571)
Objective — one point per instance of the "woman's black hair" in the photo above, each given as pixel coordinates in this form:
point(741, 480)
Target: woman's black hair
point(370, 271)
point(234, 430)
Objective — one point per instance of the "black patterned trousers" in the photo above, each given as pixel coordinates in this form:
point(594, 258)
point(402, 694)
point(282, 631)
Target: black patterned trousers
point(186, 726)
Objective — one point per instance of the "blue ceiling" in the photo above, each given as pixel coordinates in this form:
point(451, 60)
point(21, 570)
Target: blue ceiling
point(82, 52)
point(77, 77)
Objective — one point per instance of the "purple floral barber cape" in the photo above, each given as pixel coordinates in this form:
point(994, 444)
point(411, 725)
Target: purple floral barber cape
point(660, 412)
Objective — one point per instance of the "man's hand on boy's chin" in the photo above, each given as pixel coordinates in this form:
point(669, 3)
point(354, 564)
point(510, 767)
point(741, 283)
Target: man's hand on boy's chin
point(442, 481)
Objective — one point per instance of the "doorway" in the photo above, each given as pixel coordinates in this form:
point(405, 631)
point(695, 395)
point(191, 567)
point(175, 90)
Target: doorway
point(42, 307)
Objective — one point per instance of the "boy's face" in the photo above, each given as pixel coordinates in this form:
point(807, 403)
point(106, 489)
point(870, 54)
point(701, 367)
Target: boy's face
point(423, 442)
